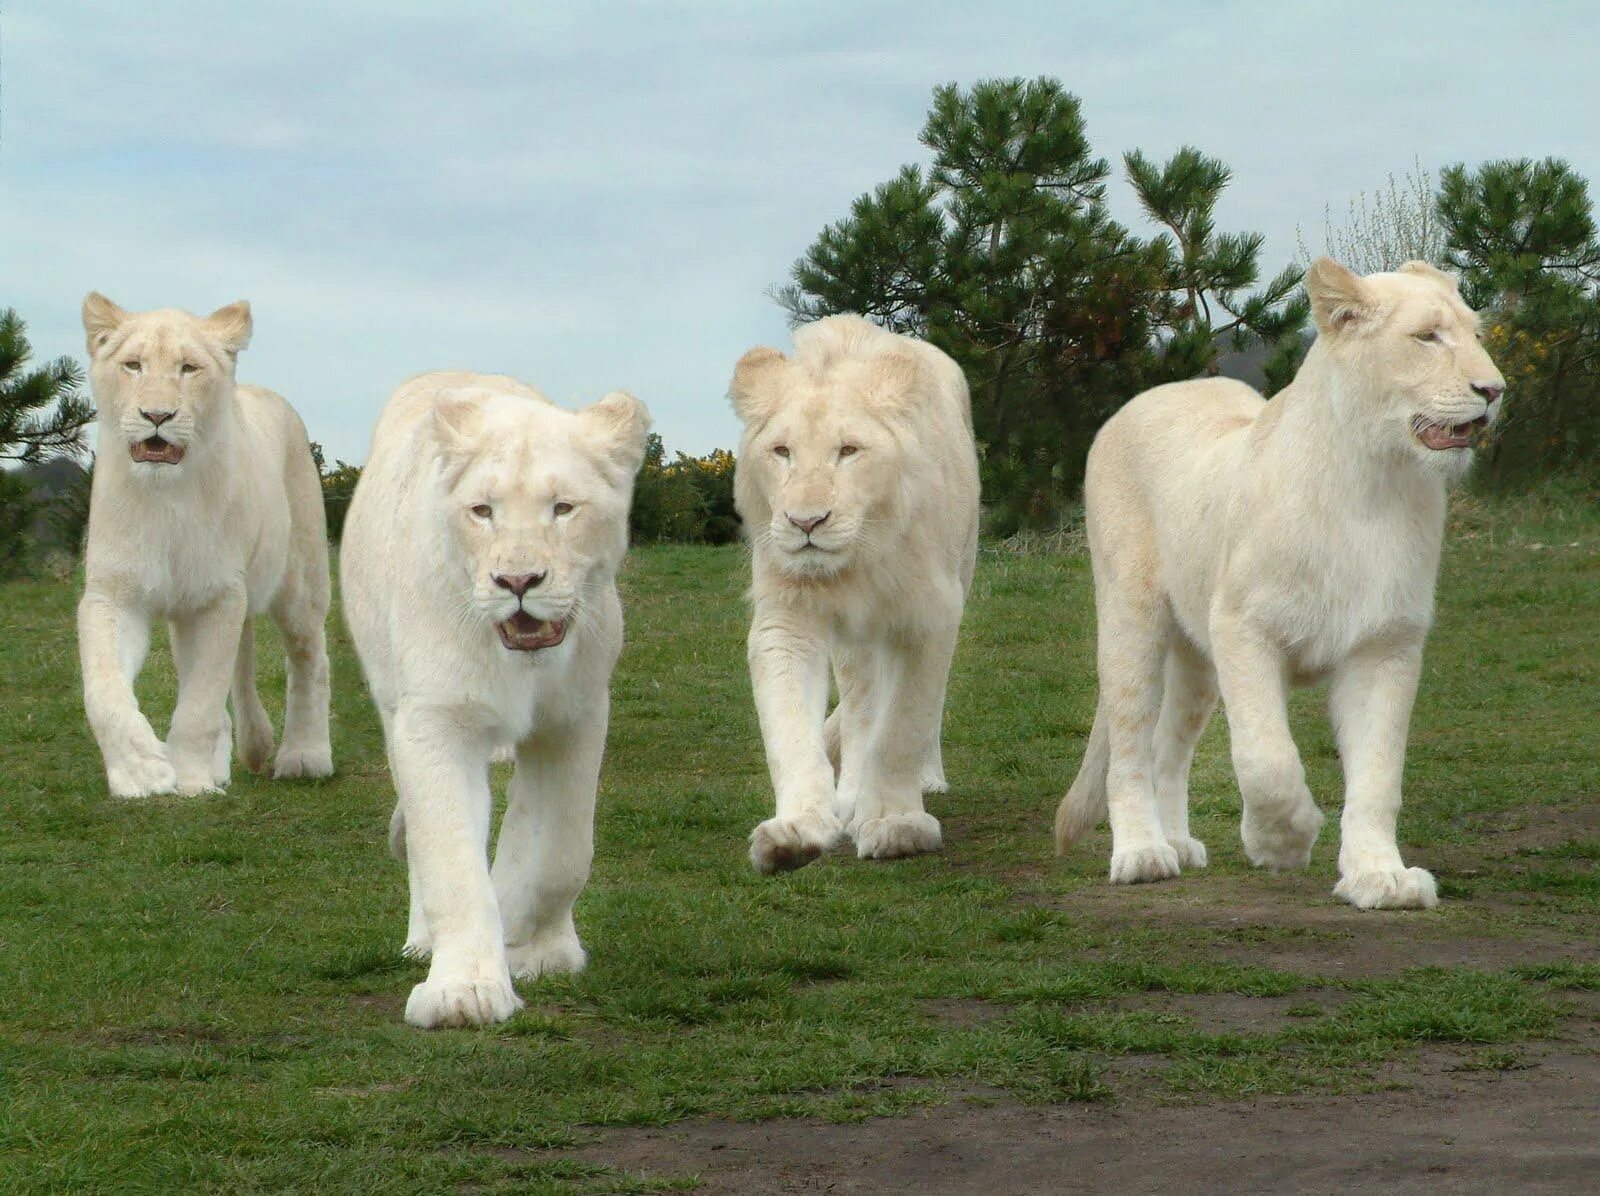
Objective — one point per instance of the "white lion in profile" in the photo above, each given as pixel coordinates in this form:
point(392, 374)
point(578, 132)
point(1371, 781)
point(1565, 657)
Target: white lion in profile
point(857, 479)
point(1247, 546)
point(205, 511)
point(478, 569)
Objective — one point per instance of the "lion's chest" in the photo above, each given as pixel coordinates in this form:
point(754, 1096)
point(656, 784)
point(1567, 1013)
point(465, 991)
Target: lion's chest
point(1322, 596)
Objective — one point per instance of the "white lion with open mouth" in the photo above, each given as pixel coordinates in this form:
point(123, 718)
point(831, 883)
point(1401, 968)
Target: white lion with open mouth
point(1245, 547)
point(857, 479)
point(206, 510)
point(478, 570)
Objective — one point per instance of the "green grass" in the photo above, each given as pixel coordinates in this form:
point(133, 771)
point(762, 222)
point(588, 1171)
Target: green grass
point(206, 994)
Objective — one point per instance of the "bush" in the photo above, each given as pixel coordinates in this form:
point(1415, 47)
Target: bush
point(688, 500)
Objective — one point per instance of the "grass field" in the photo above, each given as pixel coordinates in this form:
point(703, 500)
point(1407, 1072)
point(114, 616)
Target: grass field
point(207, 994)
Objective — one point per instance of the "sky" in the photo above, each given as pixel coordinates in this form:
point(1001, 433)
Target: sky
point(594, 196)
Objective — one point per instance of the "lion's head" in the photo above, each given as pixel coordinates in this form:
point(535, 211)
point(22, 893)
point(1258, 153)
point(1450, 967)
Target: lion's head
point(536, 504)
point(162, 380)
point(826, 451)
point(1407, 348)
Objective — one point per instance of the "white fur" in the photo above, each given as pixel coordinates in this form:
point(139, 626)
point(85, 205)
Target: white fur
point(233, 529)
point(879, 597)
point(467, 480)
point(1243, 547)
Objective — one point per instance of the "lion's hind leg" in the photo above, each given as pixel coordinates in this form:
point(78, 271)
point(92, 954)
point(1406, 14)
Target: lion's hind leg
point(252, 729)
point(1135, 634)
point(1188, 699)
point(300, 610)
point(844, 735)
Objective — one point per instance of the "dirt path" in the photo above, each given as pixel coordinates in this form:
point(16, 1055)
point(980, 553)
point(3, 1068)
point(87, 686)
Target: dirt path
point(1530, 1131)
point(1443, 1123)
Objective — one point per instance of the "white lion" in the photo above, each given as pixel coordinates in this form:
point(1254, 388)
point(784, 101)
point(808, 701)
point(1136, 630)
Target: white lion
point(857, 480)
point(1248, 546)
point(478, 569)
point(206, 510)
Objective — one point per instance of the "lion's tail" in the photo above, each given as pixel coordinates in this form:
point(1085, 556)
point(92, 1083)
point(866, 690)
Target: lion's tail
point(1084, 805)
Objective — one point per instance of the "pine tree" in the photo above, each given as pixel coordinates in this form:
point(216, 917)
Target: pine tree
point(43, 414)
point(1523, 237)
point(1003, 253)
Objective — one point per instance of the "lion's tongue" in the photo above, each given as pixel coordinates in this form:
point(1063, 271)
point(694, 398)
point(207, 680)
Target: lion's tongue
point(1437, 436)
point(523, 631)
point(154, 448)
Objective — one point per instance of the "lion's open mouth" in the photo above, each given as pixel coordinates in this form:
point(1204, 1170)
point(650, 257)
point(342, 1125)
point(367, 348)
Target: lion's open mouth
point(524, 633)
point(1446, 436)
point(157, 450)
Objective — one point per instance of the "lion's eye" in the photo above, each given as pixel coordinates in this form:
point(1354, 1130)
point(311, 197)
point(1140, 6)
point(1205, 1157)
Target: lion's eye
point(1430, 337)
point(782, 450)
point(848, 450)
point(133, 367)
point(483, 510)
point(188, 368)
point(563, 508)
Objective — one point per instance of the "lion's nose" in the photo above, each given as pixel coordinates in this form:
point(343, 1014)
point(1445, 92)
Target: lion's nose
point(157, 417)
point(1488, 391)
point(518, 583)
point(809, 523)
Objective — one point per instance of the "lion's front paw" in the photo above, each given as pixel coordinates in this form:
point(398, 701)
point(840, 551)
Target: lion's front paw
point(142, 773)
point(1280, 841)
point(784, 844)
point(1141, 865)
point(545, 957)
point(898, 835)
point(1408, 888)
point(196, 776)
point(303, 762)
point(1191, 852)
point(436, 1004)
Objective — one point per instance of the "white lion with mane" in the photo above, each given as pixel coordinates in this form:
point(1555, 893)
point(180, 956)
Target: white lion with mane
point(206, 510)
point(478, 569)
point(857, 479)
point(1244, 546)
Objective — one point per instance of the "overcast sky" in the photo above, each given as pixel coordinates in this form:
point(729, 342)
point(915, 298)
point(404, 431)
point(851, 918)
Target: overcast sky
point(593, 196)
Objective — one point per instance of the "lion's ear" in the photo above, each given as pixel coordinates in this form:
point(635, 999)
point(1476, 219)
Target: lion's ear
point(101, 317)
point(757, 383)
point(1340, 298)
point(894, 382)
point(1429, 270)
point(619, 424)
point(457, 421)
point(230, 327)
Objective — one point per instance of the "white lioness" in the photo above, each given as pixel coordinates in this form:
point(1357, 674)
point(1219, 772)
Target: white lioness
point(1248, 546)
point(478, 567)
point(857, 480)
point(206, 510)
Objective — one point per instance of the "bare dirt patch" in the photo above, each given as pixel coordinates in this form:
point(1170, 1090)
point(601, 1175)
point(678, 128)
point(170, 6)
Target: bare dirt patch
point(1533, 1130)
point(1523, 1118)
point(1235, 1013)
